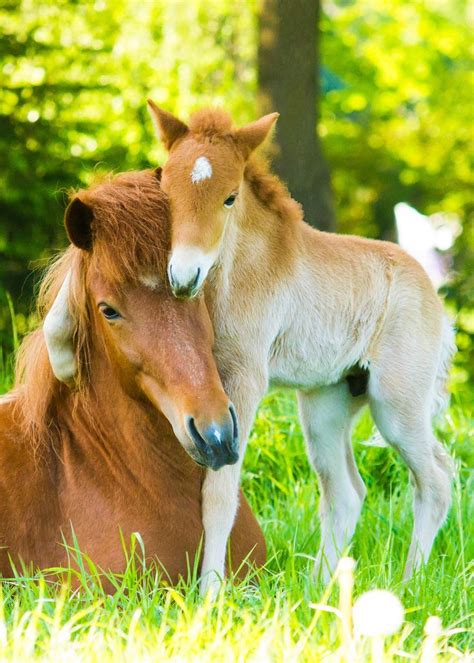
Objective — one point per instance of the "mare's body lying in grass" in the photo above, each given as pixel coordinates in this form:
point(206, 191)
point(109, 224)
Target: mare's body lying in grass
point(101, 456)
point(345, 320)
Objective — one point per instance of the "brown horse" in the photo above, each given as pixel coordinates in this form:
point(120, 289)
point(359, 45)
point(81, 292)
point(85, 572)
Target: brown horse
point(100, 455)
point(345, 320)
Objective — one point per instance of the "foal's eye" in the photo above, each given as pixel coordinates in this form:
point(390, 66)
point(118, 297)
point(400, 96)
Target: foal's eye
point(228, 202)
point(108, 312)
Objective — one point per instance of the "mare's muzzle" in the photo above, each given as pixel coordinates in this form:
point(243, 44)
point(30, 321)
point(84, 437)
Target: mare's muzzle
point(217, 444)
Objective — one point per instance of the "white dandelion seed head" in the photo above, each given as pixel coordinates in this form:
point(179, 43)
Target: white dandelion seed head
point(378, 612)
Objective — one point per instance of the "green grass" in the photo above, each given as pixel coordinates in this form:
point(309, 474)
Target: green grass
point(288, 616)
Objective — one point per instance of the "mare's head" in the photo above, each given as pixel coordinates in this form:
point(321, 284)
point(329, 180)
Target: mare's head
point(116, 293)
point(202, 178)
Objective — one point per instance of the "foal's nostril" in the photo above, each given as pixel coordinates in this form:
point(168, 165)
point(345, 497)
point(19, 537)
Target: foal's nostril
point(170, 273)
point(184, 285)
point(196, 280)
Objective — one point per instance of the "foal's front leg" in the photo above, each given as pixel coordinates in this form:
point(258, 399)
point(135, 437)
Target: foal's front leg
point(220, 491)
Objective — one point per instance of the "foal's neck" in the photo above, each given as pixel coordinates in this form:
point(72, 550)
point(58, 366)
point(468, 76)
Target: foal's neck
point(263, 240)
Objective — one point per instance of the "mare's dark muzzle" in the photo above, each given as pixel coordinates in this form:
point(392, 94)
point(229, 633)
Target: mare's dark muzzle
point(216, 445)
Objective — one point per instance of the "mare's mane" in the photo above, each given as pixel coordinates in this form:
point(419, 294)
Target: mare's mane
point(214, 124)
point(130, 231)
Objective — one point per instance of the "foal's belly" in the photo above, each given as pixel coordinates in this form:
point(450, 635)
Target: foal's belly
point(304, 359)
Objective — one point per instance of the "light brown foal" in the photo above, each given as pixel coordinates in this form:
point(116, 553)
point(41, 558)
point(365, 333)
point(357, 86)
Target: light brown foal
point(101, 456)
point(344, 320)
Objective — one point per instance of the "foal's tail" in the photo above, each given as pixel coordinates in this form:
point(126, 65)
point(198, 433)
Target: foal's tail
point(448, 348)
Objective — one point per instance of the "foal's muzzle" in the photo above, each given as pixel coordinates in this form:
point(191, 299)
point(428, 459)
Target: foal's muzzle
point(185, 289)
point(188, 267)
point(217, 444)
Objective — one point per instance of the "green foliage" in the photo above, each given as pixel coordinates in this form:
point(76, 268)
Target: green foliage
point(75, 78)
point(399, 128)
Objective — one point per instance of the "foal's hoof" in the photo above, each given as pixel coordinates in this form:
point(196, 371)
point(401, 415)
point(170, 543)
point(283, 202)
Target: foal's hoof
point(322, 572)
point(210, 585)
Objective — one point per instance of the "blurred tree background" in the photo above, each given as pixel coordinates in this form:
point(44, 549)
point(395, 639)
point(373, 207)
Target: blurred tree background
point(393, 93)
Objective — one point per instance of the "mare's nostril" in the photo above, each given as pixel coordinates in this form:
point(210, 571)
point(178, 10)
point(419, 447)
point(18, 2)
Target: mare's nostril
point(196, 437)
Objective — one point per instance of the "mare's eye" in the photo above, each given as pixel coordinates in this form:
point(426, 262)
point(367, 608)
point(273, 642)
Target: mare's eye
point(228, 202)
point(108, 312)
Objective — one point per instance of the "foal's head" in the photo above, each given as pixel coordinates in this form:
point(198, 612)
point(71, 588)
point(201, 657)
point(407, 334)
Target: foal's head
point(159, 348)
point(202, 179)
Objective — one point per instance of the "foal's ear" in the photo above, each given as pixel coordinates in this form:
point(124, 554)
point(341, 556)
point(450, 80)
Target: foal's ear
point(78, 222)
point(167, 126)
point(248, 138)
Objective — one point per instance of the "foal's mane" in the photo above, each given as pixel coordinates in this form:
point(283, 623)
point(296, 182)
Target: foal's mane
point(130, 231)
point(271, 192)
point(214, 124)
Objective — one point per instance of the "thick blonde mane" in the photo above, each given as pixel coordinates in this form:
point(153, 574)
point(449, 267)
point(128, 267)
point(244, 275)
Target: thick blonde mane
point(130, 234)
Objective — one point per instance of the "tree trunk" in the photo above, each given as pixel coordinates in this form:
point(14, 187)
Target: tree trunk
point(288, 71)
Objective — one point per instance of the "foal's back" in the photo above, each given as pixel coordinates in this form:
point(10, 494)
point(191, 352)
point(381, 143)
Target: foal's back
point(347, 292)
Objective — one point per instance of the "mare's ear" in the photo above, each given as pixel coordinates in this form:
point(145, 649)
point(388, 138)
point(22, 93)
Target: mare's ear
point(78, 222)
point(248, 138)
point(167, 126)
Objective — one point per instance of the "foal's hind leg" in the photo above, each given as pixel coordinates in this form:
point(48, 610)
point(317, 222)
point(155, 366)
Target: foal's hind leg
point(326, 416)
point(400, 397)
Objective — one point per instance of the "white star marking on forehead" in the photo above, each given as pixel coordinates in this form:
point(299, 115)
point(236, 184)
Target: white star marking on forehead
point(202, 170)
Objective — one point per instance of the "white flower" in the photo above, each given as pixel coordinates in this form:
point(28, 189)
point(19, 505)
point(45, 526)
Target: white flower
point(377, 613)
